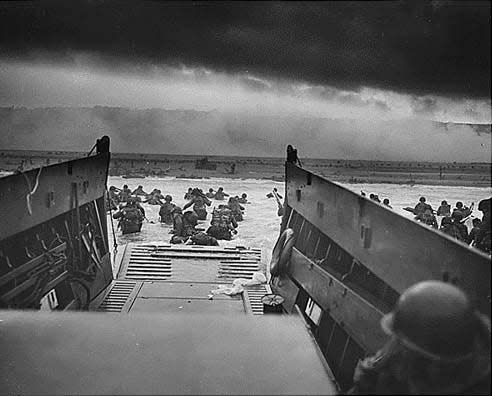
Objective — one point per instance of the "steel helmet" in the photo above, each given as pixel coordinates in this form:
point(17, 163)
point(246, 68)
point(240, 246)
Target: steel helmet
point(484, 205)
point(434, 319)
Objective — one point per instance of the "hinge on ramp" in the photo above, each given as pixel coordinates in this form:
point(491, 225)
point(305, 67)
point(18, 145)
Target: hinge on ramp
point(117, 297)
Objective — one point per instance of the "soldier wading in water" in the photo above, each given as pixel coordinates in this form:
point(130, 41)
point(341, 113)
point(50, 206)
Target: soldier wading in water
point(131, 217)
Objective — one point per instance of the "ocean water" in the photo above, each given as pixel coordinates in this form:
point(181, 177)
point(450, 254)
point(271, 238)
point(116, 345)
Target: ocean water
point(261, 224)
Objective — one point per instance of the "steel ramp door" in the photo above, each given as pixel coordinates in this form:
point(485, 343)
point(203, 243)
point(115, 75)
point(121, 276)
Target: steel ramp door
point(158, 354)
point(169, 278)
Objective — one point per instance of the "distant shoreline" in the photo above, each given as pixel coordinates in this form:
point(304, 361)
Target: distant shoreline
point(267, 168)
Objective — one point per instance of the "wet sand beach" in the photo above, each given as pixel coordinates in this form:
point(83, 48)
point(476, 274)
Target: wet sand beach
point(344, 171)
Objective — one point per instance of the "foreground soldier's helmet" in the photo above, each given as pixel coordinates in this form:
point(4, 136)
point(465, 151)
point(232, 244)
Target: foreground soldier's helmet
point(484, 205)
point(434, 319)
point(459, 204)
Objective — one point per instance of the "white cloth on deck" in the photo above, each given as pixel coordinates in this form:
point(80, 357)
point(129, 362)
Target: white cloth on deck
point(238, 284)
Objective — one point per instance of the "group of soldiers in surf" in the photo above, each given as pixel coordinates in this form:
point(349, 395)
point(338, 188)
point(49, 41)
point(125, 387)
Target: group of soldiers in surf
point(375, 197)
point(223, 225)
point(453, 221)
point(224, 222)
point(129, 212)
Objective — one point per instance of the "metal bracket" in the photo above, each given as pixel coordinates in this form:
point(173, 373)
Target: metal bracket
point(365, 236)
point(50, 201)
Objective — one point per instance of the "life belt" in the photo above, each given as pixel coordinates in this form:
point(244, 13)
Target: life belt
point(282, 251)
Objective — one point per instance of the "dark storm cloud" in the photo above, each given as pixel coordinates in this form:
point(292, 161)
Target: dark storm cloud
point(416, 47)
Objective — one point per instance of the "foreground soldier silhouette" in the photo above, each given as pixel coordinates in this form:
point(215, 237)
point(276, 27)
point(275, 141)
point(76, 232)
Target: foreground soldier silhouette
point(439, 345)
point(483, 235)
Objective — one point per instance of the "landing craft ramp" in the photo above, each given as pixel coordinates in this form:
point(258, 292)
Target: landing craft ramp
point(170, 278)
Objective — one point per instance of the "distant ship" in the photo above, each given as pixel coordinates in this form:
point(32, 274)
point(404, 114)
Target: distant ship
point(340, 263)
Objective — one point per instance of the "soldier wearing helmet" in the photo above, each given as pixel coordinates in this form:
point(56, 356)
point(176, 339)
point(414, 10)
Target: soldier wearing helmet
point(113, 198)
point(223, 223)
point(165, 212)
point(439, 345)
point(154, 198)
point(184, 225)
point(465, 211)
point(220, 194)
point(198, 200)
point(457, 217)
point(130, 216)
point(427, 218)
point(189, 194)
point(483, 236)
point(139, 191)
point(236, 208)
point(178, 228)
point(451, 225)
point(421, 207)
point(125, 193)
point(444, 209)
point(243, 199)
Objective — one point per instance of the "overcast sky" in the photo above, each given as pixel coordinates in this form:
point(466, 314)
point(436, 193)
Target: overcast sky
point(372, 61)
point(432, 54)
